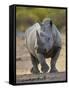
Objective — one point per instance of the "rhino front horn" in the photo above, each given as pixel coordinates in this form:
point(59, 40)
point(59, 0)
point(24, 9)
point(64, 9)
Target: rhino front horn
point(51, 22)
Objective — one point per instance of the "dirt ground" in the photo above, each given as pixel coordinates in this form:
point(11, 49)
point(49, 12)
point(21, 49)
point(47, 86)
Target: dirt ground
point(23, 60)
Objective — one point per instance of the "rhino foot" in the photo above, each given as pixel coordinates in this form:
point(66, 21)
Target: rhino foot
point(53, 70)
point(35, 71)
point(45, 68)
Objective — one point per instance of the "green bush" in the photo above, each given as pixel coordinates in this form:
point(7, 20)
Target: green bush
point(26, 16)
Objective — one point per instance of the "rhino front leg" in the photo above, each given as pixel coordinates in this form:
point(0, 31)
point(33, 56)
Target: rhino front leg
point(54, 59)
point(35, 65)
point(44, 66)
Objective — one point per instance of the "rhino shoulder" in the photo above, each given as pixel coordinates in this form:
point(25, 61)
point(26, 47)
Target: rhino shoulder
point(57, 36)
point(31, 37)
point(35, 26)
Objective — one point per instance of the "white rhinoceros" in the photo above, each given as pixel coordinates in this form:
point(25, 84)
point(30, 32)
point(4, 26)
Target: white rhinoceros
point(43, 41)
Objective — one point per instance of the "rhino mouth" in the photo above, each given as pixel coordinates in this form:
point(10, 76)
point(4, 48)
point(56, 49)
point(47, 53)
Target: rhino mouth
point(42, 51)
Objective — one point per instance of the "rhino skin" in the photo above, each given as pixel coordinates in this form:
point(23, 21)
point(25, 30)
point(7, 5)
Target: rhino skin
point(43, 41)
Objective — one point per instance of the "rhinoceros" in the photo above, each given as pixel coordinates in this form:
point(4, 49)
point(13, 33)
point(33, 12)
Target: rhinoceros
point(43, 40)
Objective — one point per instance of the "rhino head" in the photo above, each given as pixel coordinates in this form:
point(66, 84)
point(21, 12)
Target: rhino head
point(46, 24)
point(45, 37)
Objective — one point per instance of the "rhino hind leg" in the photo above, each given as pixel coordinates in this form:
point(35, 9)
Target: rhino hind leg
point(54, 59)
point(35, 63)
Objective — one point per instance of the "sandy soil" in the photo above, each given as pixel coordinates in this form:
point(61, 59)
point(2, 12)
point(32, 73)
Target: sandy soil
point(45, 77)
point(23, 60)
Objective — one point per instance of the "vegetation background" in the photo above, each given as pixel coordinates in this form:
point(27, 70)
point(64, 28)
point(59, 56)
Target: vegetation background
point(26, 16)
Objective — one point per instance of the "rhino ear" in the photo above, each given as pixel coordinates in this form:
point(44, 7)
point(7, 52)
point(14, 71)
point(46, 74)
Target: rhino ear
point(51, 23)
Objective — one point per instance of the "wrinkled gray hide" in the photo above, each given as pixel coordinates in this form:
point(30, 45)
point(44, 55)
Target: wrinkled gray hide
point(43, 41)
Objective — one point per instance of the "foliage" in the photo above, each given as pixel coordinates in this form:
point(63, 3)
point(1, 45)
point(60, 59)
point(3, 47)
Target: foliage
point(26, 16)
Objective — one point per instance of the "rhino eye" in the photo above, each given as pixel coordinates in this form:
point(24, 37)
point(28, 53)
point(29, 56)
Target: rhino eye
point(48, 39)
